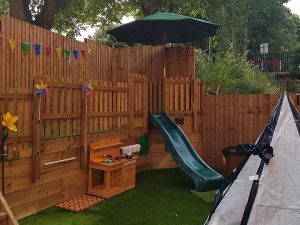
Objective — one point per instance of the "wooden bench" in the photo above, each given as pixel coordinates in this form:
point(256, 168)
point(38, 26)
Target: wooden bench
point(109, 179)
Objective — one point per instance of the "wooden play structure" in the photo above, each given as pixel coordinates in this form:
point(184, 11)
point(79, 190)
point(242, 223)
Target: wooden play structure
point(52, 157)
point(109, 179)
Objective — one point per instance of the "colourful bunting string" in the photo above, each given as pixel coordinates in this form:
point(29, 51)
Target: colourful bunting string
point(25, 46)
point(82, 52)
point(12, 44)
point(58, 53)
point(89, 52)
point(48, 50)
point(75, 52)
point(37, 48)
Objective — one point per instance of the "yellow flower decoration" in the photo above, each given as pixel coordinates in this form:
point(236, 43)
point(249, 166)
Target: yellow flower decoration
point(9, 120)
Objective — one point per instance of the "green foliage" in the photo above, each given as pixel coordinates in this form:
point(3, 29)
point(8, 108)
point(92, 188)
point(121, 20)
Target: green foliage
point(4, 8)
point(102, 37)
point(244, 24)
point(76, 15)
point(225, 74)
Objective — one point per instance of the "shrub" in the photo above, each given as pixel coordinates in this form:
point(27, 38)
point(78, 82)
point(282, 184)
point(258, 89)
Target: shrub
point(225, 74)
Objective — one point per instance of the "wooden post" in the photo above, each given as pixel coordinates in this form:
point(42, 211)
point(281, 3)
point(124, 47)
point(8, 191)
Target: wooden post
point(131, 104)
point(167, 94)
point(145, 103)
point(12, 220)
point(84, 130)
point(36, 135)
point(195, 104)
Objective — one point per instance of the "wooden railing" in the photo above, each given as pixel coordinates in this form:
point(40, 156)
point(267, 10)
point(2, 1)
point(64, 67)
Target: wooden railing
point(177, 96)
point(68, 112)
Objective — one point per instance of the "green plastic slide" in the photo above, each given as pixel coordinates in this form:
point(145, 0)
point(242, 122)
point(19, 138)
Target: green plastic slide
point(182, 151)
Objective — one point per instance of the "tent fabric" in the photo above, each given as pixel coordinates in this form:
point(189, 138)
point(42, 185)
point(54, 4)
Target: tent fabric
point(277, 201)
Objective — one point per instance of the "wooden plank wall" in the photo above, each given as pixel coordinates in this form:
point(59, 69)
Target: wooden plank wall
point(230, 120)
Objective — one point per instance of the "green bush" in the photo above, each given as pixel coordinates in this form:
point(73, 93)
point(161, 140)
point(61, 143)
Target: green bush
point(226, 74)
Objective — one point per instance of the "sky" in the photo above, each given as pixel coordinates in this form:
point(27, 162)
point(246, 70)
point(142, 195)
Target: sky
point(293, 5)
point(91, 30)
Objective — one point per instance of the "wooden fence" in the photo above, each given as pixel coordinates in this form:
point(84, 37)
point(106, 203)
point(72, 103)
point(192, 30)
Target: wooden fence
point(230, 120)
point(61, 124)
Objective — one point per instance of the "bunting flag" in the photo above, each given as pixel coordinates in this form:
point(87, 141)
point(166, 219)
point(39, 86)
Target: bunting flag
point(37, 48)
point(0, 40)
point(75, 52)
point(89, 52)
point(48, 50)
point(68, 52)
point(12, 44)
point(82, 52)
point(25, 46)
point(58, 53)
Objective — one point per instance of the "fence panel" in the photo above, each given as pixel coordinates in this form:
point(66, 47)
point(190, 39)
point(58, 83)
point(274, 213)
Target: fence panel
point(230, 120)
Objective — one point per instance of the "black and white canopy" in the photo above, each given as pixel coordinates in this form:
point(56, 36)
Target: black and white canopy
point(259, 192)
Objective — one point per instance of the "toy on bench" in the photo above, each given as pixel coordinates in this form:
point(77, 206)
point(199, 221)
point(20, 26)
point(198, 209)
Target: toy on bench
point(112, 168)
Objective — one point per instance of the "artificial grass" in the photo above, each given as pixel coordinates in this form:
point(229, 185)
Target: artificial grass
point(161, 197)
point(207, 197)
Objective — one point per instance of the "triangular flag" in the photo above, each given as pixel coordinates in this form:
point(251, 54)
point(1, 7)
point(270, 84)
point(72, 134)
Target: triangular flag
point(68, 52)
point(25, 46)
point(58, 53)
point(89, 52)
point(1, 40)
point(13, 44)
point(75, 52)
point(48, 50)
point(37, 48)
point(82, 52)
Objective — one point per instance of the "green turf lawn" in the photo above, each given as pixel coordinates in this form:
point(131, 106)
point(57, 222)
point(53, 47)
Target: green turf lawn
point(161, 197)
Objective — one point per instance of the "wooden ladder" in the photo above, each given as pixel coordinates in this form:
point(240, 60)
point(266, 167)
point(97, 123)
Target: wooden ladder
point(6, 215)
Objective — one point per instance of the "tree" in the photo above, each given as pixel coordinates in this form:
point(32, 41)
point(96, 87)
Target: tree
point(68, 16)
point(37, 12)
point(102, 37)
point(244, 24)
point(4, 8)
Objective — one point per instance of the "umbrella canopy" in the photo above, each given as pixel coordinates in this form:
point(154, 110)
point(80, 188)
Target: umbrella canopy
point(164, 27)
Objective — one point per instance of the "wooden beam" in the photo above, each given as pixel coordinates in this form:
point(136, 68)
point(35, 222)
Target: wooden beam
point(5, 207)
point(36, 135)
point(131, 104)
point(84, 130)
